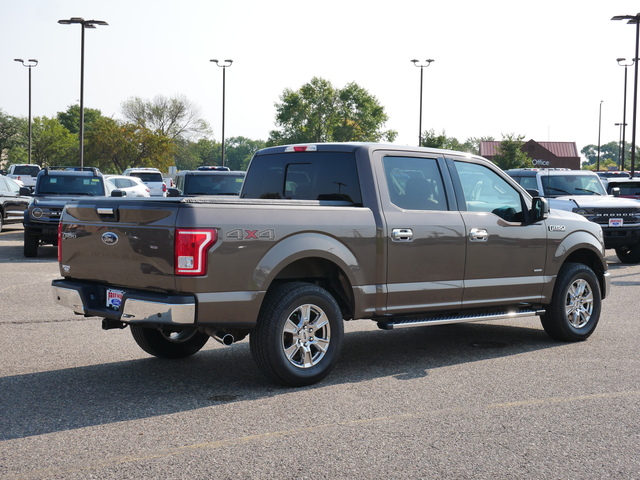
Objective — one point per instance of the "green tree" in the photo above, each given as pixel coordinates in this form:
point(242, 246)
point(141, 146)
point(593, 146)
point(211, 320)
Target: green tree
point(190, 155)
point(432, 140)
point(115, 146)
point(174, 117)
point(70, 118)
point(13, 132)
point(509, 153)
point(318, 112)
point(609, 156)
point(239, 151)
point(52, 143)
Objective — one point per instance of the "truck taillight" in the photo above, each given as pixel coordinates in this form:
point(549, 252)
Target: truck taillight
point(59, 242)
point(191, 246)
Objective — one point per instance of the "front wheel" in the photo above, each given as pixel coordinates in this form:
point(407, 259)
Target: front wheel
point(299, 334)
point(629, 254)
point(169, 344)
point(31, 243)
point(574, 310)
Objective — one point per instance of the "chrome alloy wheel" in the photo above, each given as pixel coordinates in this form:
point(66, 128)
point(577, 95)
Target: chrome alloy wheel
point(579, 303)
point(306, 336)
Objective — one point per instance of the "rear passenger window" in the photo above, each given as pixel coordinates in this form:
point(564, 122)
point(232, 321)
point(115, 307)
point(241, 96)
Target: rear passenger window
point(415, 183)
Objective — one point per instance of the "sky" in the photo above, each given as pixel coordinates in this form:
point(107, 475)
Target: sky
point(544, 70)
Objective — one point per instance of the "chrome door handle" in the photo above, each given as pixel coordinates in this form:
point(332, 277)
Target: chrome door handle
point(402, 235)
point(478, 235)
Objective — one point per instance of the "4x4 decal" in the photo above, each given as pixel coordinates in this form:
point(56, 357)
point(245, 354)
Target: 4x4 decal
point(245, 234)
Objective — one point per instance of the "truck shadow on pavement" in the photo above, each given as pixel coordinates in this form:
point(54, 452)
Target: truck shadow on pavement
point(66, 399)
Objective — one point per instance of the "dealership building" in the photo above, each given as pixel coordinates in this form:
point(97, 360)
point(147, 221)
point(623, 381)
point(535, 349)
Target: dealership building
point(542, 154)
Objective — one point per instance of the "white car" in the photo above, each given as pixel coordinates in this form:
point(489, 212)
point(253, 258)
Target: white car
point(152, 178)
point(132, 185)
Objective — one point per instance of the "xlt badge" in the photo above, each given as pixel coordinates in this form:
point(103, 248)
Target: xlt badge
point(557, 228)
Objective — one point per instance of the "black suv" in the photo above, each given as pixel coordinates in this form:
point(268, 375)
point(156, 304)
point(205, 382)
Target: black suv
point(582, 192)
point(56, 186)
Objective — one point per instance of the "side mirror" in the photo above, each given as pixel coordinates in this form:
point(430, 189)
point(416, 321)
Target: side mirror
point(173, 192)
point(118, 193)
point(25, 191)
point(539, 209)
point(615, 191)
point(533, 192)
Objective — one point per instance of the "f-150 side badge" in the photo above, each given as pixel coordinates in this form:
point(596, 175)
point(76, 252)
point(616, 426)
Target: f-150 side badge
point(557, 228)
point(245, 234)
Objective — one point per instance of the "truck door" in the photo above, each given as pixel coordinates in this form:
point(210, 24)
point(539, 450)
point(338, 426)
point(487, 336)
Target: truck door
point(505, 256)
point(425, 237)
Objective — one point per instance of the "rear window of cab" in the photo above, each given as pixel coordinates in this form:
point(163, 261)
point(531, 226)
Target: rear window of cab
point(304, 176)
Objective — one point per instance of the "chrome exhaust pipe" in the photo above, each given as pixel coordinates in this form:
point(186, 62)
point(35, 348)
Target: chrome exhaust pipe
point(224, 338)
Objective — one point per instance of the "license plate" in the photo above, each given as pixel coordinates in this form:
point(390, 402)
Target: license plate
point(616, 222)
point(114, 298)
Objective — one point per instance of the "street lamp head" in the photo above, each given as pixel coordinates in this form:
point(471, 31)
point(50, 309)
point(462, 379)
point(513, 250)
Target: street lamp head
point(83, 22)
point(32, 62)
point(224, 63)
point(415, 62)
point(630, 18)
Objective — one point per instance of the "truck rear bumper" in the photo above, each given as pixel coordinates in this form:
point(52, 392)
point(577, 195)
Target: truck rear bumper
point(137, 307)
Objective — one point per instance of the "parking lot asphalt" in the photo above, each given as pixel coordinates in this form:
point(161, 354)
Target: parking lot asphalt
point(490, 400)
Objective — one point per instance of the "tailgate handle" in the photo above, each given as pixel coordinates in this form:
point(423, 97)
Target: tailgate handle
point(107, 214)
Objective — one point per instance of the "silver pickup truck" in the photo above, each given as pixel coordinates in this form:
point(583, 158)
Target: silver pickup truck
point(325, 233)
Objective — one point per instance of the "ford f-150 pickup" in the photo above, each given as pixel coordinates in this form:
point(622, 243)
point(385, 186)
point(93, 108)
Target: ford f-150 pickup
point(325, 233)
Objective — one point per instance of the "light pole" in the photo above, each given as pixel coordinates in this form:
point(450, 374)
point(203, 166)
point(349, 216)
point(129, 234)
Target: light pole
point(633, 19)
point(599, 130)
point(224, 64)
point(620, 146)
point(421, 65)
point(32, 62)
point(624, 106)
point(83, 25)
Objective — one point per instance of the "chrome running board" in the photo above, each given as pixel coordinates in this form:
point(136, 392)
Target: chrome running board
point(397, 322)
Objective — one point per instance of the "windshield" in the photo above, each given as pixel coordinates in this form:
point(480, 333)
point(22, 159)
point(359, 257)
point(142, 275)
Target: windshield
point(558, 185)
point(70, 185)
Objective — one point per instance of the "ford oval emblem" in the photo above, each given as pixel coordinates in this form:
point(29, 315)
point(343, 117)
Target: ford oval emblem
point(109, 238)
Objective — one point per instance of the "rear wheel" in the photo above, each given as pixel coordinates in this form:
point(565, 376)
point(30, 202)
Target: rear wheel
point(31, 243)
point(574, 310)
point(169, 344)
point(299, 334)
point(629, 254)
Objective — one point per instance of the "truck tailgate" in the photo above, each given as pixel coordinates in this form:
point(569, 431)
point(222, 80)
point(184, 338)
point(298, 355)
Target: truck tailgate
point(120, 241)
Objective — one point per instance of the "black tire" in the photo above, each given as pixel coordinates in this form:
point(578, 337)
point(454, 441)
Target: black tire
point(1, 220)
point(169, 344)
point(31, 243)
point(299, 334)
point(574, 310)
point(629, 254)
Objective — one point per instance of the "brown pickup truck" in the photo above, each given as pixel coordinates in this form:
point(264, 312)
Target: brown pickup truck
point(324, 233)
